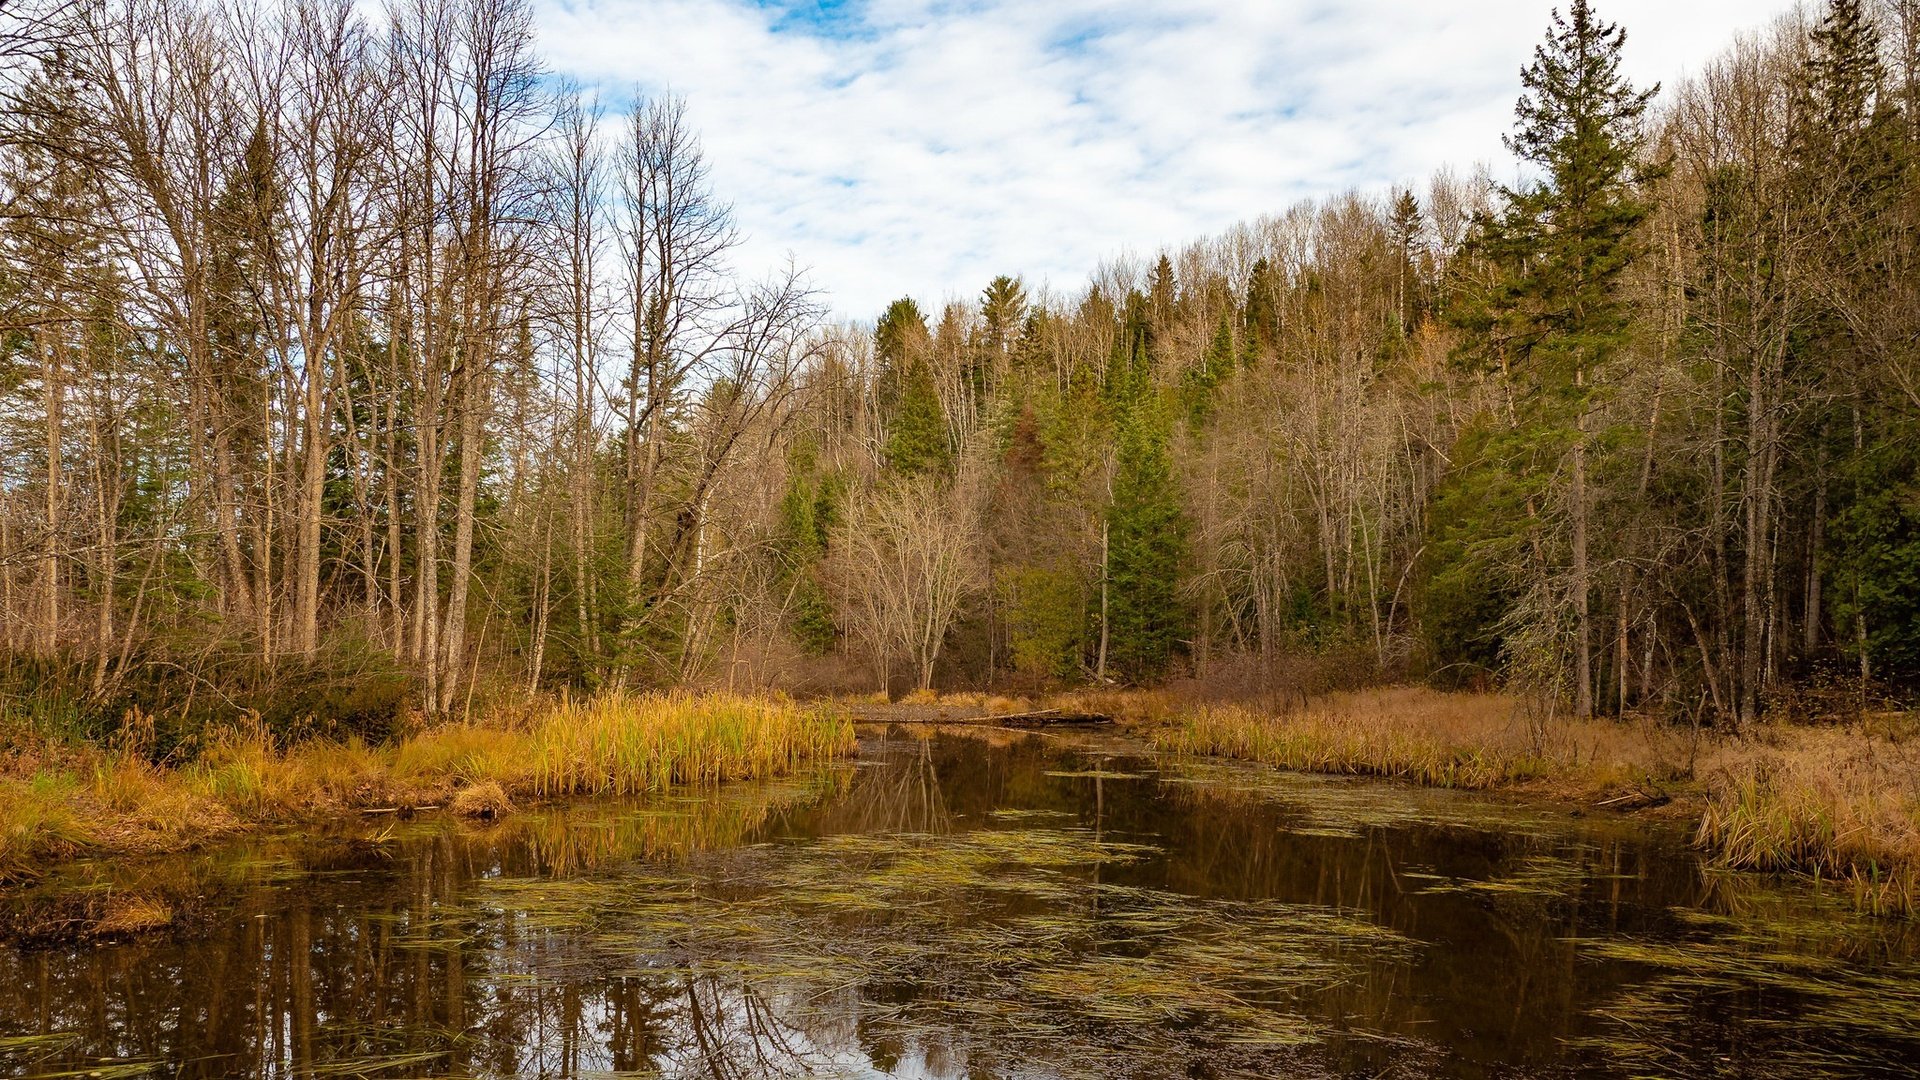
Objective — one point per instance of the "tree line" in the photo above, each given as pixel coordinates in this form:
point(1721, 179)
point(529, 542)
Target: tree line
point(337, 342)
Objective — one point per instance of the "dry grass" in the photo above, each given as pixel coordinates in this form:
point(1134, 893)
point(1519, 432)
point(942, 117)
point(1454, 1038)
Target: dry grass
point(133, 913)
point(1835, 803)
point(1829, 802)
point(486, 800)
point(39, 821)
point(96, 799)
point(1467, 740)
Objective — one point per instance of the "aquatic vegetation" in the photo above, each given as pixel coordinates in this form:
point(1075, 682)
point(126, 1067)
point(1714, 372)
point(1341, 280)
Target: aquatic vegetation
point(950, 908)
point(1111, 965)
point(1866, 1013)
point(1337, 805)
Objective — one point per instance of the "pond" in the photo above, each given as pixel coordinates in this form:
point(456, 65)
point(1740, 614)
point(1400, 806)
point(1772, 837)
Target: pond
point(971, 905)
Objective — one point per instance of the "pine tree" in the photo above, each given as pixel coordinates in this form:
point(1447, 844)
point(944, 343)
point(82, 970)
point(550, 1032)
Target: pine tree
point(1564, 242)
point(1145, 528)
point(917, 442)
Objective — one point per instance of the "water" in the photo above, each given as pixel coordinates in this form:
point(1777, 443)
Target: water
point(970, 906)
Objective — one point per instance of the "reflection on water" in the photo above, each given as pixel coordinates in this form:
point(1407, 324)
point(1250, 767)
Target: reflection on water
point(953, 907)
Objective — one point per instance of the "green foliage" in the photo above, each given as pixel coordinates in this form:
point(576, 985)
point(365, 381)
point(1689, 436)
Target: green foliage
point(811, 619)
point(918, 442)
point(1199, 383)
point(1260, 314)
point(1875, 572)
point(1147, 622)
point(1477, 540)
point(1046, 619)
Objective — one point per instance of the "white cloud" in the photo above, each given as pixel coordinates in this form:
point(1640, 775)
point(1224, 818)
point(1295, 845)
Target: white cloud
point(922, 146)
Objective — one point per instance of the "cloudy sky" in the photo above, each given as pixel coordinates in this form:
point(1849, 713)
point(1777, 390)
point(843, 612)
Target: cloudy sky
point(919, 147)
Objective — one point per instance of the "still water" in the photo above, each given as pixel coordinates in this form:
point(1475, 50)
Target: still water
point(974, 905)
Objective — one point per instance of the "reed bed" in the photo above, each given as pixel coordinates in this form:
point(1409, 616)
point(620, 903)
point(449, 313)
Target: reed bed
point(1829, 803)
point(83, 799)
point(1838, 804)
point(1473, 741)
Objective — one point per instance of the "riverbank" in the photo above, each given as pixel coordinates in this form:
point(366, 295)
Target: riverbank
point(59, 801)
point(1838, 803)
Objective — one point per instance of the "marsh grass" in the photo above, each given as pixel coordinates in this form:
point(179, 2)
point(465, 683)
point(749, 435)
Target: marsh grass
point(1472, 741)
point(1829, 803)
point(1839, 804)
point(79, 799)
point(38, 821)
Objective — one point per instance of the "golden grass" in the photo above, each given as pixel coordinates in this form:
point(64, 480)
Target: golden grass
point(615, 744)
point(1465, 740)
point(1840, 804)
point(486, 800)
point(38, 821)
point(1831, 803)
point(133, 913)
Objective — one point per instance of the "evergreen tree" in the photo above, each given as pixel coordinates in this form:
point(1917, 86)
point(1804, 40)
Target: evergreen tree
point(1260, 314)
point(899, 340)
point(1145, 530)
point(1558, 315)
point(1406, 224)
point(1214, 367)
point(917, 442)
point(1003, 307)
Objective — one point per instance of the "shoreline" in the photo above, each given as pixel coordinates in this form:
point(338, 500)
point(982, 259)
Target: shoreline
point(1825, 803)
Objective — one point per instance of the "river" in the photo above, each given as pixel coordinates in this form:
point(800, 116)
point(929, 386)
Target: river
point(969, 905)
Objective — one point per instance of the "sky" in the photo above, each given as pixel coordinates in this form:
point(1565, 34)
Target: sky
point(920, 147)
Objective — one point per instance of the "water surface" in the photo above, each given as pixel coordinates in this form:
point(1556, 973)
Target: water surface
point(970, 906)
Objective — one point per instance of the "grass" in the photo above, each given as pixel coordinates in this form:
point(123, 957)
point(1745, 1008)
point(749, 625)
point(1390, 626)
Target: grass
point(1839, 804)
point(1829, 803)
point(1476, 741)
point(56, 802)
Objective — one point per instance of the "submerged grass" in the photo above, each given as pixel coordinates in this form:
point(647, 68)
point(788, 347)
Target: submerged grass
point(1005, 943)
point(67, 801)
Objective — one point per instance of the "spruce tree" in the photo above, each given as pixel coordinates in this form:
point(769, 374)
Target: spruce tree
point(899, 339)
point(1564, 242)
point(1260, 314)
point(1146, 540)
point(917, 443)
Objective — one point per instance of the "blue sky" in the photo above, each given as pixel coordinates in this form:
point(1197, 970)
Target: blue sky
point(919, 147)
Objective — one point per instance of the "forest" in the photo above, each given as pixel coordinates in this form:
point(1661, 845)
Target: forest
point(354, 364)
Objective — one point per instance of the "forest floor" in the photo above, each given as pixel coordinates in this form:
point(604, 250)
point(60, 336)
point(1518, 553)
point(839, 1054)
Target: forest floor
point(1836, 801)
